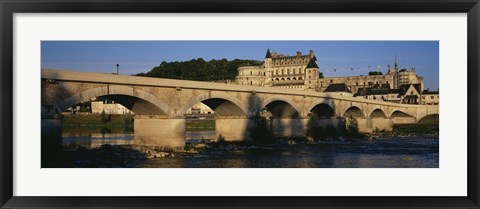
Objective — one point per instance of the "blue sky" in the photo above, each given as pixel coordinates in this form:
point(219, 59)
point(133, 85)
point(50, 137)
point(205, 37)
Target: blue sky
point(141, 56)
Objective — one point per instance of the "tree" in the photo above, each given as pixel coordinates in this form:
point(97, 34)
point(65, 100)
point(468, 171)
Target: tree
point(261, 132)
point(104, 117)
point(351, 126)
point(320, 75)
point(313, 127)
point(199, 69)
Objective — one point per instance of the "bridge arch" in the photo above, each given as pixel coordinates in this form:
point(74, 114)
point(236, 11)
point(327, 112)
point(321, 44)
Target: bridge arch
point(377, 112)
point(222, 103)
point(138, 101)
point(354, 111)
point(280, 106)
point(322, 107)
point(399, 113)
point(429, 119)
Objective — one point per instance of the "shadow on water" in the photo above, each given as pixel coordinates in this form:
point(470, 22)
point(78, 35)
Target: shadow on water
point(106, 156)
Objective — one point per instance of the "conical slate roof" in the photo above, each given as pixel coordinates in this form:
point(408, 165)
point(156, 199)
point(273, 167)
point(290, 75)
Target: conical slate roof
point(312, 63)
point(268, 55)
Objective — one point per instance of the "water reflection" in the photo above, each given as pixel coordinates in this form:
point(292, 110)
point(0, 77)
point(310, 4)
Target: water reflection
point(94, 137)
point(383, 153)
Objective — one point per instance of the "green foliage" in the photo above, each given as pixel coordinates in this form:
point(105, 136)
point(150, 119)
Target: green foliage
point(189, 146)
point(351, 126)
point(416, 129)
point(331, 131)
point(375, 73)
point(221, 139)
point(200, 125)
point(199, 69)
point(127, 119)
point(320, 75)
point(104, 117)
point(313, 127)
point(261, 132)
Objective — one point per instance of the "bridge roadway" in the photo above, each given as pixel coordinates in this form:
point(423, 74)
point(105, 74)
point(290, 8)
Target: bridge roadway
point(160, 106)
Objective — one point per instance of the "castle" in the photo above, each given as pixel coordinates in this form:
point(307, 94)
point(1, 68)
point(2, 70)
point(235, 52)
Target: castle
point(302, 72)
point(293, 72)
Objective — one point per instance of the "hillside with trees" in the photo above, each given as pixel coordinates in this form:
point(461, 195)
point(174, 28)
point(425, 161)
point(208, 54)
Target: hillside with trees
point(199, 69)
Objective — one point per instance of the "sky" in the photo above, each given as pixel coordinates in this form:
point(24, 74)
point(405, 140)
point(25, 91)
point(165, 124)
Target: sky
point(141, 56)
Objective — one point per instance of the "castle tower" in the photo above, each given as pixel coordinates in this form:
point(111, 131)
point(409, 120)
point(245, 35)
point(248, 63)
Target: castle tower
point(312, 73)
point(268, 59)
point(267, 64)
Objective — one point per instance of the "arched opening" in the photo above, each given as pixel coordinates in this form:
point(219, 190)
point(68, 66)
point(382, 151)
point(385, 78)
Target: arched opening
point(378, 113)
point(323, 111)
point(136, 105)
point(400, 117)
point(399, 114)
point(429, 119)
point(282, 109)
point(223, 107)
point(355, 112)
point(139, 102)
point(106, 119)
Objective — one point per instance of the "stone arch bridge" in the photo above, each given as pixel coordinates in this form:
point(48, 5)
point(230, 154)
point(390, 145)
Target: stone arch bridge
point(160, 105)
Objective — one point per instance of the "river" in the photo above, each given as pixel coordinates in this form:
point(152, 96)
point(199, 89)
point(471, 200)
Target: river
point(380, 153)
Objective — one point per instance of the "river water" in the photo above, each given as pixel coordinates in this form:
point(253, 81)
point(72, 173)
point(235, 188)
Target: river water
point(380, 153)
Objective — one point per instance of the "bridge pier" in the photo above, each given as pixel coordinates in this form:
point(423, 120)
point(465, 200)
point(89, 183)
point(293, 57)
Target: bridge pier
point(368, 125)
point(160, 131)
point(288, 127)
point(234, 129)
point(51, 133)
point(337, 123)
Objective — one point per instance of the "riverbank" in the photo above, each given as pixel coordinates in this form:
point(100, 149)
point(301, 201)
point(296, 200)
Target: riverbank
point(408, 131)
point(96, 120)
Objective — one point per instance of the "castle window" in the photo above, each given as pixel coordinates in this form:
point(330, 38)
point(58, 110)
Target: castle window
point(309, 76)
point(431, 97)
point(331, 81)
point(250, 72)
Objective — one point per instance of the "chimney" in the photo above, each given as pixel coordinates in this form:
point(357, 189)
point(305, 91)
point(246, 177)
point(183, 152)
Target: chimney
point(311, 53)
point(299, 53)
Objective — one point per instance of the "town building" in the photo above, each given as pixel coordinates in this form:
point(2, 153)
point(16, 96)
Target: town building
point(110, 107)
point(394, 77)
point(302, 72)
point(430, 97)
point(292, 72)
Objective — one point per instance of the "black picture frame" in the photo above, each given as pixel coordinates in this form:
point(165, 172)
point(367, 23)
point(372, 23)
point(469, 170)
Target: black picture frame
point(10, 7)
